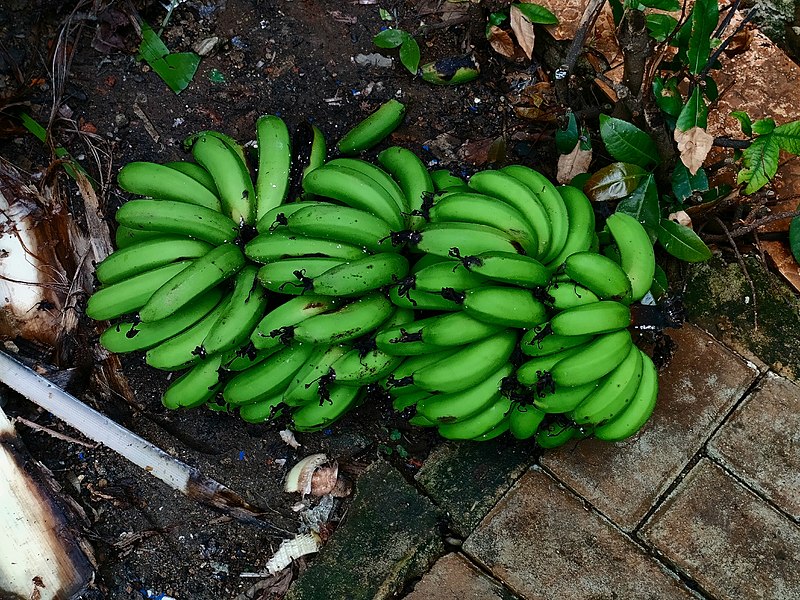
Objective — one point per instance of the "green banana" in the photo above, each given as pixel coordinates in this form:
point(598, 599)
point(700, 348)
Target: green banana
point(462, 239)
point(594, 360)
point(568, 294)
point(231, 176)
point(465, 207)
point(147, 255)
point(160, 181)
point(564, 398)
point(268, 377)
point(638, 410)
point(274, 163)
point(293, 276)
point(362, 275)
point(495, 431)
point(445, 274)
point(455, 329)
point(319, 151)
point(555, 434)
point(507, 306)
point(196, 172)
point(280, 243)
point(524, 421)
point(513, 192)
point(131, 294)
point(129, 337)
point(480, 423)
point(318, 415)
point(201, 275)
point(245, 309)
point(243, 358)
point(536, 343)
point(167, 216)
point(183, 349)
point(230, 142)
point(614, 392)
point(195, 387)
point(507, 267)
point(599, 274)
point(591, 319)
point(405, 401)
point(379, 178)
point(413, 178)
point(459, 406)
point(636, 252)
point(469, 366)
point(275, 218)
point(344, 224)
point(269, 331)
point(444, 181)
point(400, 381)
point(312, 379)
point(534, 372)
point(581, 220)
point(125, 236)
point(357, 318)
point(405, 297)
point(372, 130)
point(405, 339)
point(355, 189)
point(263, 410)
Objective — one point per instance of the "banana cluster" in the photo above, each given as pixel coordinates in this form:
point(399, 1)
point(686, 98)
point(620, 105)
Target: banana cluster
point(477, 307)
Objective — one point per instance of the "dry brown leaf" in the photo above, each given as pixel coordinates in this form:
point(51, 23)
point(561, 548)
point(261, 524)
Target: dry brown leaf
point(572, 164)
point(501, 42)
point(694, 145)
point(780, 254)
point(523, 31)
point(681, 217)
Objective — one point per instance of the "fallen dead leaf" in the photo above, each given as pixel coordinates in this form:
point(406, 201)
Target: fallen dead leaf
point(572, 164)
point(501, 42)
point(694, 145)
point(681, 217)
point(523, 31)
point(783, 260)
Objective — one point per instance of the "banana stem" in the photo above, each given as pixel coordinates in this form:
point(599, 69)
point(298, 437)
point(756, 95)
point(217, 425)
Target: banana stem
point(101, 429)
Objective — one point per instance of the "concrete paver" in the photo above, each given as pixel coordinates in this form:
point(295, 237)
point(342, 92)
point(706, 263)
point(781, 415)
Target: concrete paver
point(760, 442)
point(455, 578)
point(727, 539)
point(390, 536)
point(543, 543)
point(624, 480)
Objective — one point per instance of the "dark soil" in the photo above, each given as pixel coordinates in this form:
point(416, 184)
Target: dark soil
point(294, 59)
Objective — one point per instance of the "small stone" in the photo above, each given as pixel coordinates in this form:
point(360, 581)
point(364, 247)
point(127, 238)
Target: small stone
point(373, 60)
point(120, 121)
point(205, 46)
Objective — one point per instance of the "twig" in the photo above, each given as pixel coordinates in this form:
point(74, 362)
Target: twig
point(148, 124)
point(724, 44)
point(442, 25)
point(724, 142)
point(743, 267)
point(53, 433)
point(589, 18)
point(755, 225)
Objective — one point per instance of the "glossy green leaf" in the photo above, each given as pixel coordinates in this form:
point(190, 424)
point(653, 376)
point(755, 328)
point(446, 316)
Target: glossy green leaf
point(705, 16)
point(794, 238)
point(668, 5)
point(617, 10)
point(788, 136)
point(615, 181)
point(682, 242)
point(668, 98)
point(385, 15)
point(660, 26)
point(710, 91)
point(627, 143)
point(660, 285)
point(694, 113)
point(717, 192)
point(498, 18)
point(537, 14)
point(409, 54)
point(684, 183)
point(760, 161)
point(763, 126)
point(579, 181)
point(390, 38)
point(642, 204)
point(744, 121)
point(176, 70)
point(567, 138)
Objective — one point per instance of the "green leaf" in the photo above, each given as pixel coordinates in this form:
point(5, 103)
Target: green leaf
point(585, 139)
point(705, 16)
point(537, 14)
point(694, 113)
point(660, 26)
point(177, 70)
point(710, 90)
point(794, 238)
point(684, 183)
point(667, 96)
point(567, 138)
point(498, 18)
point(763, 126)
point(385, 15)
point(668, 5)
point(744, 121)
point(617, 10)
point(615, 181)
point(642, 204)
point(390, 38)
point(788, 136)
point(760, 163)
point(409, 54)
point(660, 285)
point(627, 143)
point(681, 242)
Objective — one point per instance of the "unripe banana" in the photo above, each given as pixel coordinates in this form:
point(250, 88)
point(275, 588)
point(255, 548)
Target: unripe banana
point(404, 297)
point(594, 360)
point(179, 218)
point(591, 319)
point(539, 342)
point(319, 415)
point(580, 216)
point(405, 401)
point(480, 423)
point(263, 410)
point(405, 339)
point(275, 218)
point(455, 329)
point(195, 387)
point(372, 130)
point(599, 274)
point(568, 294)
point(639, 409)
point(268, 332)
point(294, 276)
point(344, 224)
point(555, 434)
point(319, 151)
point(274, 163)
point(506, 306)
point(564, 398)
point(196, 172)
point(399, 382)
point(412, 176)
point(535, 372)
point(636, 252)
point(463, 239)
point(160, 181)
point(379, 177)
point(147, 255)
point(201, 275)
point(524, 421)
point(311, 381)
point(125, 236)
point(243, 358)
point(494, 432)
point(281, 243)
point(444, 181)
point(359, 317)
point(446, 274)
point(362, 275)
point(506, 267)
point(131, 294)
point(459, 406)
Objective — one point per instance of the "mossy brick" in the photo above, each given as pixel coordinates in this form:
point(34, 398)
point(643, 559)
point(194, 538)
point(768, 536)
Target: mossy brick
point(389, 536)
point(466, 479)
point(718, 298)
